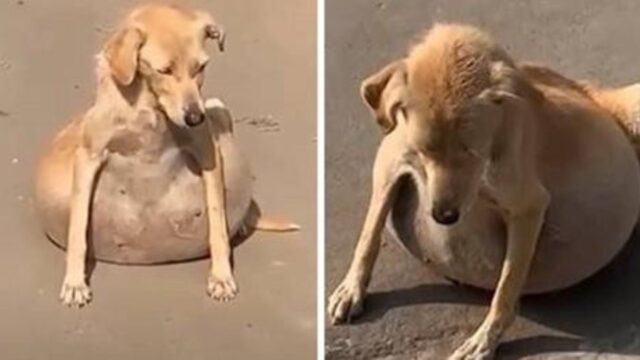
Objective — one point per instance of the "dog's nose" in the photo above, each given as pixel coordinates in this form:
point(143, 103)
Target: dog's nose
point(445, 215)
point(193, 116)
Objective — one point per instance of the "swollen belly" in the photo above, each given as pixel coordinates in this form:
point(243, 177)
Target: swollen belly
point(145, 213)
point(581, 235)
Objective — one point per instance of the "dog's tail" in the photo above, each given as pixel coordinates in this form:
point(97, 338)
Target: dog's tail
point(275, 225)
point(256, 221)
point(623, 103)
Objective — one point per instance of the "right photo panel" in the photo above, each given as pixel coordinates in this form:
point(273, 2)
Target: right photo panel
point(482, 179)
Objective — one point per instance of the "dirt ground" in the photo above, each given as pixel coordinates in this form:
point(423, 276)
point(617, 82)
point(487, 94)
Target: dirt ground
point(266, 76)
point(411, 312)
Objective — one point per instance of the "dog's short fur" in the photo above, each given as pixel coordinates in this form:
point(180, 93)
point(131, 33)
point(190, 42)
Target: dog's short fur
point(125, 180)
point(494, 151)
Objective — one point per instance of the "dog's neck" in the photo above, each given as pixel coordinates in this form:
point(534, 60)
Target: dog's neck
point(124, 102)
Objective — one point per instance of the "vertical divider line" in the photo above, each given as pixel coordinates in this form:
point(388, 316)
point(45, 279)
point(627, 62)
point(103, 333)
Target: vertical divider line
point(320, 68)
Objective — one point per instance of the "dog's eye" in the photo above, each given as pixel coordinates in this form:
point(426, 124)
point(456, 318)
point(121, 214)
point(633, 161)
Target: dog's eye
point(403, 111)
point(167, 70)
point(430, 148)
point(469, 151)
point(200, 68)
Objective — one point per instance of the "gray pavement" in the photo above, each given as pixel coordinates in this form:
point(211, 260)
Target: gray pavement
point(412, 312)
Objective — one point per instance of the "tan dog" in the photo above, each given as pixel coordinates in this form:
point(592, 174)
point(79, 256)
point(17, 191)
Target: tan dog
point(504, 176)
point(125, 180)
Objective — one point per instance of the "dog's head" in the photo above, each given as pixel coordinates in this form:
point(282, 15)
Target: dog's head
point(450, 97)
point(164, 48)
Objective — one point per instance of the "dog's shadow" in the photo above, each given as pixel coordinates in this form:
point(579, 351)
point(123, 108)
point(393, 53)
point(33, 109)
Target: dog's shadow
point(602, 313)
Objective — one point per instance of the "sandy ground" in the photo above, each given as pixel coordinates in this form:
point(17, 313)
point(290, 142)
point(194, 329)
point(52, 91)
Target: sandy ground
point(411, 312)
point(268, 72)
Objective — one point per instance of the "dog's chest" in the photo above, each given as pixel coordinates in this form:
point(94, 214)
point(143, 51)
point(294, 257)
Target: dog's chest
point(146, 158)
point(146, 136)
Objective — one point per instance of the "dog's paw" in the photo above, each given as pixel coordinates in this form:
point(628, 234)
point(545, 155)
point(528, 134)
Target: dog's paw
point(222, 288)
point(480, 346)
point(346, 302)
point(213, 103)
point(75, 293)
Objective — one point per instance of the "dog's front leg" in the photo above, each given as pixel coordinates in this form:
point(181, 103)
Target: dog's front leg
point(75, 291)
point(523, 229)
point(221, 284)
point(347, 299)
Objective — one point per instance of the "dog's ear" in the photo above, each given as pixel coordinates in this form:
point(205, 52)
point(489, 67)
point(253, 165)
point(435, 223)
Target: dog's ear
point(216, 32)
point(509, 83)
point(515, 96)
point(212, 30)
point(121, 53)
point(383, 91)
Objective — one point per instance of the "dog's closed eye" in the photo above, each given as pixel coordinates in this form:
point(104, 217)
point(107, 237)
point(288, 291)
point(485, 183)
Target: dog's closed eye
point(199, 68)
point(165, 70)
point(430, 148)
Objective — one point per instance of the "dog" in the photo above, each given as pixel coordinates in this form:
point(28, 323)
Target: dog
point(505, 176)
point(150, 173)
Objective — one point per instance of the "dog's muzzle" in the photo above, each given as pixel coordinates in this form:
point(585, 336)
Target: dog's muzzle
point(193, 116)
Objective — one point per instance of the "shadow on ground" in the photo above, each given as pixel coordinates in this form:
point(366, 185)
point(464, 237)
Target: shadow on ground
point(601, 314)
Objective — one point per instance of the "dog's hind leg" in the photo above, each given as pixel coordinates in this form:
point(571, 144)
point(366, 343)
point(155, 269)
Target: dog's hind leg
point(624, 104)
point(347, 299)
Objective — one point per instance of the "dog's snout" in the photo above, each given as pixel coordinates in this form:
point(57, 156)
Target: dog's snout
point(193, 116)
point(445, 215)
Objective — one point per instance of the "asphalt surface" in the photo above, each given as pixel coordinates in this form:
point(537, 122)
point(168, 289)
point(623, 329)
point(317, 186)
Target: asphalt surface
point(267, 78)
point(412, 312)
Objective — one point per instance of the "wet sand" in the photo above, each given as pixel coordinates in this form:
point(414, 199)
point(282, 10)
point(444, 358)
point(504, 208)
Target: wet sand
point(267, 72)
point(412, 312)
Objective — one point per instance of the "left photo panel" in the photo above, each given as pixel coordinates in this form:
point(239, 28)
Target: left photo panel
point(159, 196)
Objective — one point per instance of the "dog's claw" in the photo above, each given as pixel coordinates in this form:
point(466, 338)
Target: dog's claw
point(75, 294)
point(345, 302)
point(224, 289)
point(480, 346)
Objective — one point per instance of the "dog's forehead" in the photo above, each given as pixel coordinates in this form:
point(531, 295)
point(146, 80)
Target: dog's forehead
point(434, 126)
point(165, 51)
point(170, 29)
point(174, 45)
point(433, 109)
point(166, 47)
